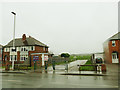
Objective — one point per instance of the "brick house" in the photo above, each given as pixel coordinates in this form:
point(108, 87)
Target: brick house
point(28, 51)
point(112, 49)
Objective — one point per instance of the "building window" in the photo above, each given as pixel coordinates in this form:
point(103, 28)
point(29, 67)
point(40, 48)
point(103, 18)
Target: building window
point(43, 48)
point(46, 49)
point(13, 57)
point(21, 49)
point(23, 57)
point(113, 43)
point(6, 49)
point(18, 48)
point(24, 48)
point(31, 48)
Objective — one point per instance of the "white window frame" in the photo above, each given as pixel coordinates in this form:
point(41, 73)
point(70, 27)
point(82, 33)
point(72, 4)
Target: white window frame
point(113, 42)
point(32, 47)
point(18, 48)
point(4, 49)
point(44, 48)
point(24, 57)
point(10, 57)
point(16, 57)
point(13, 57)
point(25, 49)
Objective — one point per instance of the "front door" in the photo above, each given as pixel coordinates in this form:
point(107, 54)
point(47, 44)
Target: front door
point(115, 58)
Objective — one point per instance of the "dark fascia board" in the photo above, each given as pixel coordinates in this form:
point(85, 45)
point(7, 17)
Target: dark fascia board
point(25, 45)
point(113, 39)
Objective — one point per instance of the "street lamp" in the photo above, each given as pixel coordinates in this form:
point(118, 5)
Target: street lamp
point(13, 49)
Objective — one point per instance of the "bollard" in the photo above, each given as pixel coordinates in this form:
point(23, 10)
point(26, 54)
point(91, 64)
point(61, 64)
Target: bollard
point(45, 65)
point(66, 67)
point(103, 67)
point(7, 68)
point(53, 64)
point(34, 65)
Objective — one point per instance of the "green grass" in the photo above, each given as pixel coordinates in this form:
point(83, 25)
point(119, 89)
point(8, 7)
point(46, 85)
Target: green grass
point(87, 68)
point(84, 57)
point(88, 62)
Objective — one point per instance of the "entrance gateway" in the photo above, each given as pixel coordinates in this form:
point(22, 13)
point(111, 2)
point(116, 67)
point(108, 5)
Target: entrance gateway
point(115, 57)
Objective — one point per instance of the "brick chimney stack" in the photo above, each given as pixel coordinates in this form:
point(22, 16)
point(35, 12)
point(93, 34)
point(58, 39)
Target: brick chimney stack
point(24, 38)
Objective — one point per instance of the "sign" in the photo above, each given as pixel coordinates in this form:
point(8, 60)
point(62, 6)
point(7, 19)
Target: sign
point(45, 58)
point(35, 58)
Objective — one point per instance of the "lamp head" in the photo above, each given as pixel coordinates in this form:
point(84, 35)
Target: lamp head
point(13, 13)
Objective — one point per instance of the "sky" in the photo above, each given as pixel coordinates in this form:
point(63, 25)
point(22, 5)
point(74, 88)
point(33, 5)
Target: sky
point(73, 27)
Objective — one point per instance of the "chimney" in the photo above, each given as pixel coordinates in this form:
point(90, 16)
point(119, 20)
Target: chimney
point(24, 38)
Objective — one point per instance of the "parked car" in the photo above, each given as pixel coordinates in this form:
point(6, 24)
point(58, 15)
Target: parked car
point(99, 60)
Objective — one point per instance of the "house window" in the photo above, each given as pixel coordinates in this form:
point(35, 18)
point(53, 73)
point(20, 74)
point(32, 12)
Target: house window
point(32, 48)
point(23, 57)
point(113, 43)
point(21, 49)
point(24, 48)
point(13, 57)
point(46, 49)
point(43, 48)
point(18, 48)
point(6, 49)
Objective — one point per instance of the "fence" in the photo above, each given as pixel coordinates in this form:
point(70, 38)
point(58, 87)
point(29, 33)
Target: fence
point(57, 60)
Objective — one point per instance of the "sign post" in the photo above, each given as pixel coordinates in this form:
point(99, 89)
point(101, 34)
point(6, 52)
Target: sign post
point(35, 58)
point(46, 64)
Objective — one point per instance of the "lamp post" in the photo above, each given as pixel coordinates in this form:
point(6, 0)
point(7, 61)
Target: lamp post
point(13, 49)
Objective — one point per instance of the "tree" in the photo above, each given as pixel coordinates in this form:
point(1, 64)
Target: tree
point(65, 55)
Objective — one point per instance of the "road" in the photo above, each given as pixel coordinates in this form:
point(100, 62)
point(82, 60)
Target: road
point(54, 79)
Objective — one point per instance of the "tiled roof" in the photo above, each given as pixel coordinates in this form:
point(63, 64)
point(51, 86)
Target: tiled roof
point(30, 41)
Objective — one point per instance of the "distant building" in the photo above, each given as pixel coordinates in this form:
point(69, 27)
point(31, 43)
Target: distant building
point(112, 49)
point(28, 50)
point(0, 55)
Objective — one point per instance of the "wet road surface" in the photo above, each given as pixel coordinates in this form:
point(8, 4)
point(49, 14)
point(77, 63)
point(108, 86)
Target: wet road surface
point(53, 79)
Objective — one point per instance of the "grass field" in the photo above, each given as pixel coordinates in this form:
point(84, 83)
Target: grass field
point(87, 68)
point(82, 57)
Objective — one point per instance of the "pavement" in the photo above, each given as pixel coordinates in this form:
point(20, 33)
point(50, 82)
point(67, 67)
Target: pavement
point(72, 70)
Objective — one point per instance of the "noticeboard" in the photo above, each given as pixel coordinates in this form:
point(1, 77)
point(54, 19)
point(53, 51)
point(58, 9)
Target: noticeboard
point(35, 58)
point(46, 58)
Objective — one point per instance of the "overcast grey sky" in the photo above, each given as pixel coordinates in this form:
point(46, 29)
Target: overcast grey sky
point(65, 27)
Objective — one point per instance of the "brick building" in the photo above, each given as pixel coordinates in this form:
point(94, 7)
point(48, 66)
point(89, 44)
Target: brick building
point(112, 49)
point(28, 51)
